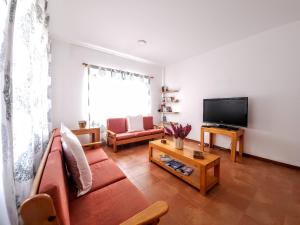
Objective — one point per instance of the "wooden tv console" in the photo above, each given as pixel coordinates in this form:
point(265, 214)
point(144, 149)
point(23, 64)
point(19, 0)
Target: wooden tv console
point(235, 135)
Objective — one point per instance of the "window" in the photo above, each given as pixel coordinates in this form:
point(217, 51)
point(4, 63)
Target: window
point(113, 94)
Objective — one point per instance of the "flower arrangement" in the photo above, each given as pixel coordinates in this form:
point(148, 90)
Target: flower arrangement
point(179, 131)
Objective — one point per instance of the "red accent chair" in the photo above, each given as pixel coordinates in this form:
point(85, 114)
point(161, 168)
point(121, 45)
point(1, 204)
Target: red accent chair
point(117, 133)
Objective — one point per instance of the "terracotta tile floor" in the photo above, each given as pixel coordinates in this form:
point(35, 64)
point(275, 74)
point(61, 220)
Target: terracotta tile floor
point(253, 192)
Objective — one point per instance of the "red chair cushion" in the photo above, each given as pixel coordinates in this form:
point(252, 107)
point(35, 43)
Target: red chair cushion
point(95, 155)
point(117, 125)
point(111, 205)
point(54, 183)
point(148, 122)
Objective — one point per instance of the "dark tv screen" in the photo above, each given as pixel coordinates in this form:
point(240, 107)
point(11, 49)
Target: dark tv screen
point(227, 111)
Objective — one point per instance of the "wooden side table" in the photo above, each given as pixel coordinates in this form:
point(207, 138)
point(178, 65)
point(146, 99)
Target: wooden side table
point(94, 134)
point(235, 135)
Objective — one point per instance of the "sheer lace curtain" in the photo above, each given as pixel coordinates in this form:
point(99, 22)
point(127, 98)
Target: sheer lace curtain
point(24, 99)
point(113, 94)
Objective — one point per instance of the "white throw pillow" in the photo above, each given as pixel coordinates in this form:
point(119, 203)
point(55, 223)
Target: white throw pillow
point(135, 123)
point(76, 161)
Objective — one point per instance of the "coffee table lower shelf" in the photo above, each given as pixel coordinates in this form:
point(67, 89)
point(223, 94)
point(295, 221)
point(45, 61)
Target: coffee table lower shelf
point(206, 172)
point(211, 180)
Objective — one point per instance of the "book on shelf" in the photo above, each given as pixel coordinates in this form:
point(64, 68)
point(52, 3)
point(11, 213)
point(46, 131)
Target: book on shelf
point(185, 170)
point(165, 158)
point(174, 164)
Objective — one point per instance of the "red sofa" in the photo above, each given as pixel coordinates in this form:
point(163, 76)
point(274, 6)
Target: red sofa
point(117, 133)
point(112, 200)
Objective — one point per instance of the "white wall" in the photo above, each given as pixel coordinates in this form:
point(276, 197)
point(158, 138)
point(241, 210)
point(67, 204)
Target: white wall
point(68, 80)
point(264, 67)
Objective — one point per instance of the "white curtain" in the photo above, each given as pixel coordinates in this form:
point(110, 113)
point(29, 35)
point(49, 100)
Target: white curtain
point(113, 94)
point(8, 213)
point(24, 99)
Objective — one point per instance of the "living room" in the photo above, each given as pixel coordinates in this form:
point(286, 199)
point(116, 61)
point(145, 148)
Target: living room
point(139, 112)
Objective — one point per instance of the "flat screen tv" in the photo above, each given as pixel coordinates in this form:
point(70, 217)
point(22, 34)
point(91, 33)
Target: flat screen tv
point(226, 111)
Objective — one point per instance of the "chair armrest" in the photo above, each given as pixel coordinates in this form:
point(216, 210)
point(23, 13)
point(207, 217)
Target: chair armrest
point(111, 133)
point(149, 215)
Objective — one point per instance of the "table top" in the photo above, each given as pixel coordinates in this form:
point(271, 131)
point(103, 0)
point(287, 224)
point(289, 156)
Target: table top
point(217, 130)
point(185, 154)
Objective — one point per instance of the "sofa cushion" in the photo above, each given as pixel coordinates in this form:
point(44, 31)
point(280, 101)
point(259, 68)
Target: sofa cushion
point(111, 205)
point(54, 183)
point(156, 131)
point(117, 125)
point(148, 122)
point(143, 133)
point(95, 155)
point(105, 173)
point(124, 136)
point(149, 132)
point(135, 123)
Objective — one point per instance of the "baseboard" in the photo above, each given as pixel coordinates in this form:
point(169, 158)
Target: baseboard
point(249, 155)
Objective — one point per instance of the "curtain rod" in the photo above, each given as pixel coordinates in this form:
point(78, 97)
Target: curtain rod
point(115, 70)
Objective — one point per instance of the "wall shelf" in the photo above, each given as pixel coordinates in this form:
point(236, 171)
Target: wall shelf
point(169, 112)
point(167, 103)
point(169, 91)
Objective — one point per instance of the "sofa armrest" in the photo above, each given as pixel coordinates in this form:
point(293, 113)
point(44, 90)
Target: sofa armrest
point(149, 215)
point(111, 133)
point(39, 209)
point(158, 126)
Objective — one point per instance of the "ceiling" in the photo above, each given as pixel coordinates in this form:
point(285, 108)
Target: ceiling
point(174, 29)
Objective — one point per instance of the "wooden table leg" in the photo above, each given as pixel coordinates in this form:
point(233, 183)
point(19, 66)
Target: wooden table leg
point(241, 147)
point(233, 148)
point(203, 180)
point(211, 140)
point(202, 139)
point(217, 171)
point(150, 153)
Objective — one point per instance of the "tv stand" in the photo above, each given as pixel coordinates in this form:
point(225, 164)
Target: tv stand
point(225, 127)
point(235, 135)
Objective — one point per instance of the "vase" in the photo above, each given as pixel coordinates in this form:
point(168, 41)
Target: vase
point(179, 143)
point(82, 124)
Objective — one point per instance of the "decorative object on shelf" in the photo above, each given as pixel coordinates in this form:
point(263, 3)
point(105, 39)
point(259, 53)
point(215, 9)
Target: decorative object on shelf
point(82, 124)
point(179, 133)
point(198, 155)
point(163, 141)
point(164, 88)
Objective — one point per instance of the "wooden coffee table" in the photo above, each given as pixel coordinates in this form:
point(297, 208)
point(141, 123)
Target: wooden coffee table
point(202, 177)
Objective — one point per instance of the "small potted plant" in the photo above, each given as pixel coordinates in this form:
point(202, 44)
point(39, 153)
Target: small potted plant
point(179, 133)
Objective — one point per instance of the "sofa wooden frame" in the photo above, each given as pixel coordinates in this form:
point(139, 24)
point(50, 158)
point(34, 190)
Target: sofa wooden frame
point(38, 209)
point(112, 138)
